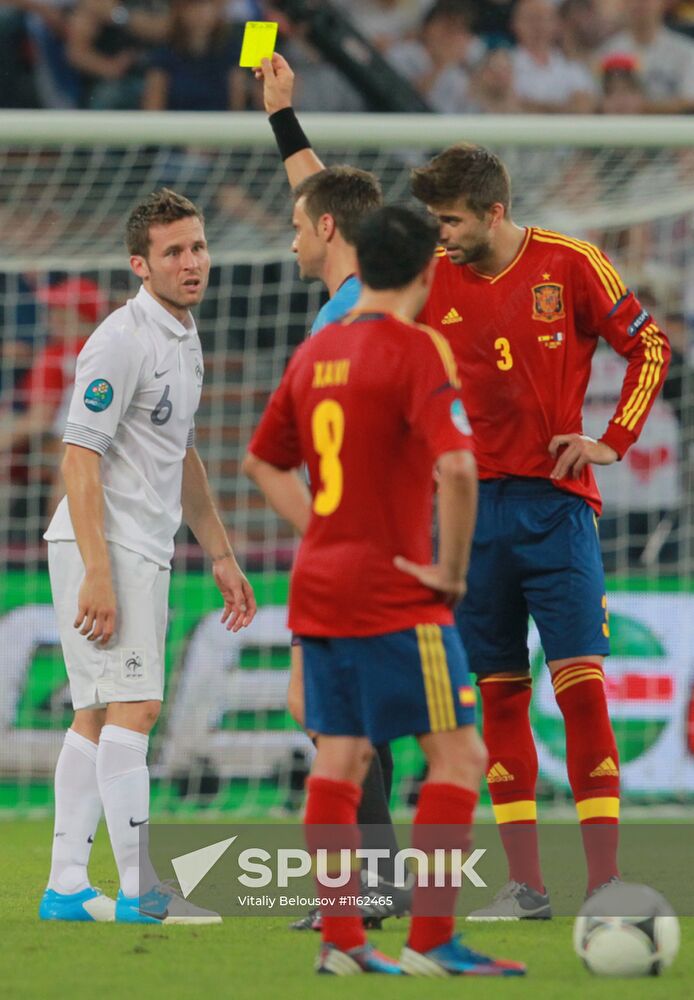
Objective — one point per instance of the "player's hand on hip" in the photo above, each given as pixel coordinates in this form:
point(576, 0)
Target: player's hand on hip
point(239, 599)
point(434, 576)
point(278, 83)
point(96, 607)
point(574, 451)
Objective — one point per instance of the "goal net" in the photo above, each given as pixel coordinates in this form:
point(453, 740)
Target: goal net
point(225, 740)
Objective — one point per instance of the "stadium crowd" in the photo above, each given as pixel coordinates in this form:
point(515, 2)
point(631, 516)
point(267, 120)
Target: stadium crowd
point(614, 56)
point(460, 56)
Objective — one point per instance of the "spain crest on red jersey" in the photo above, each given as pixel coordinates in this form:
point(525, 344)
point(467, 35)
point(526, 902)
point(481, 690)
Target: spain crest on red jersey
point(548, 302)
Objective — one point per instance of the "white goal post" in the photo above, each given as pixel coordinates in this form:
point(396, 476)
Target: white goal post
point(225, 130)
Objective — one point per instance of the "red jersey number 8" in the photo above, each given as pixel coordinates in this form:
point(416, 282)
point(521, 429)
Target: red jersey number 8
point(328, 430)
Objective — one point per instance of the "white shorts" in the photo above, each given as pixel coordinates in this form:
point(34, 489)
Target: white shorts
point(131, 666)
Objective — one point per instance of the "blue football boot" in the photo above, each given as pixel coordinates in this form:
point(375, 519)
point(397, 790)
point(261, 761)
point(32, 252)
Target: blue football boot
point(88, 905)
point(454, 959)
point(335, 962)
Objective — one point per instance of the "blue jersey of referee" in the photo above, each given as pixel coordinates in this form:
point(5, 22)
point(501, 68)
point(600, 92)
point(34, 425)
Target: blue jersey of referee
point(344, 299)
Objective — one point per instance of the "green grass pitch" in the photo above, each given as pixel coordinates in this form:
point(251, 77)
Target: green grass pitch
point(257, 957)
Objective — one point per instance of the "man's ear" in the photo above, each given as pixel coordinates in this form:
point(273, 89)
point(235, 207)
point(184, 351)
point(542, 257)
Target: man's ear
point(497, 213)
point(139, 266)
point(326, 227)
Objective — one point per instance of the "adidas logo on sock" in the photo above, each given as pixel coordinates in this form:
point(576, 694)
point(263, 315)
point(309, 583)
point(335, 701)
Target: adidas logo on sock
point(497, 772)
point(607, 767)
point(452, 316)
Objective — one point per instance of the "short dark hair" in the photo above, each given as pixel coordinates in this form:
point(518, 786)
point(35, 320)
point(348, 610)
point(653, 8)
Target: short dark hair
point(347, 193)
point(449, 10)
point(463, 171)
point(160, 208)
point(394, 245)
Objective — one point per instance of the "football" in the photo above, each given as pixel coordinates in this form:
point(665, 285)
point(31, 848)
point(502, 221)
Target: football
point(625, 929)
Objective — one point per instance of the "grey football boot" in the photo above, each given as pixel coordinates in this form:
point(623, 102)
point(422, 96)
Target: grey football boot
point(515, 901)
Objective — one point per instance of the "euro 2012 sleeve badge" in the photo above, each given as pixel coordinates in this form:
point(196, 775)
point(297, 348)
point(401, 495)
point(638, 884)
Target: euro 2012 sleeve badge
point(98, 395)
point(459, 417)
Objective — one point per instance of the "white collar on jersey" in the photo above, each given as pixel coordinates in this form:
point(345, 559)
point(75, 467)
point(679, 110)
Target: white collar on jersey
point(162, 316)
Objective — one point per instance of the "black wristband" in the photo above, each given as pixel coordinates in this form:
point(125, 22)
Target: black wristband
point(289, 134)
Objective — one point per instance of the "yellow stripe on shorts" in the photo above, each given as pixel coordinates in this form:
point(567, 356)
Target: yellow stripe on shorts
point(437, 681)
point(444, 678)
point(427, 673)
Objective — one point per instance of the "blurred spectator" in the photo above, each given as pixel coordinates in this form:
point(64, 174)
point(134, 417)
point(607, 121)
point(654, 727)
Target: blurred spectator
point(665, 57)
point(384, 22)
point(622, 87)
point(247, 215)
point(75, 306)
point(16, 73)
point(681, 15)
point(494, 20)
point(544, 79)
point(439, 64)
point(582, 30)
point(491, 85)
point(106, 44)
point(198, 69)
point(21, 333)
point(677, 387)
point(46, 21)
point(246, 95)
point(319, 86)
point(239, 11)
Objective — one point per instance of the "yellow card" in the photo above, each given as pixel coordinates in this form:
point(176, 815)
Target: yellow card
point(258, 43)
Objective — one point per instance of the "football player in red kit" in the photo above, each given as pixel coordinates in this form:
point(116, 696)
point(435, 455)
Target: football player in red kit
point(523, 310)
point(371, 406)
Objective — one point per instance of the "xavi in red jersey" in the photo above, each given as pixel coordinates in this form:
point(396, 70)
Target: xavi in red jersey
point(371, 405)
point(523, 310)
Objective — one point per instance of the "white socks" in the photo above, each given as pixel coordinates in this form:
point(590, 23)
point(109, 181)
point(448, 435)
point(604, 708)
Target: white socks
point(121, 769)
point(77, 814)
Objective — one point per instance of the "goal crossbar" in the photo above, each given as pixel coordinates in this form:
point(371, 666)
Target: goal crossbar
point(223, 130)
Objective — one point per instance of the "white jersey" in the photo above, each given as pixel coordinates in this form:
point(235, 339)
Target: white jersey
point(666, 64)
point(554, 82)
point(137, 388)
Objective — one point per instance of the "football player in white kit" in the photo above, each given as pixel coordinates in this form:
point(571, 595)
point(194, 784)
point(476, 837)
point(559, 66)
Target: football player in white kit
point(132, 473)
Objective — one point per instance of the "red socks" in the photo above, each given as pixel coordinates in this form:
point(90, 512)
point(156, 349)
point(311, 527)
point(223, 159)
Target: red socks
point(512, 773)
point(439, 805)
point(334, 804)
point(592, 764)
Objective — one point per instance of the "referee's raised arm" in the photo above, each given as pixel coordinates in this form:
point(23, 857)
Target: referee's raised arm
point(300, 161)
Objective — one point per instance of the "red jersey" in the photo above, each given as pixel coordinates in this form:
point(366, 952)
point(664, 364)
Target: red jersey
point(52, 373)
point(524, 340)
point(368, 404)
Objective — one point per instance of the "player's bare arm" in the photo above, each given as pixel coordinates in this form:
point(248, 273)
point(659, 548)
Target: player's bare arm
point(96, 603)
point(278, 91)
point(285, 491)
point(457, 510)
point(201, 516)
point(574, 451)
